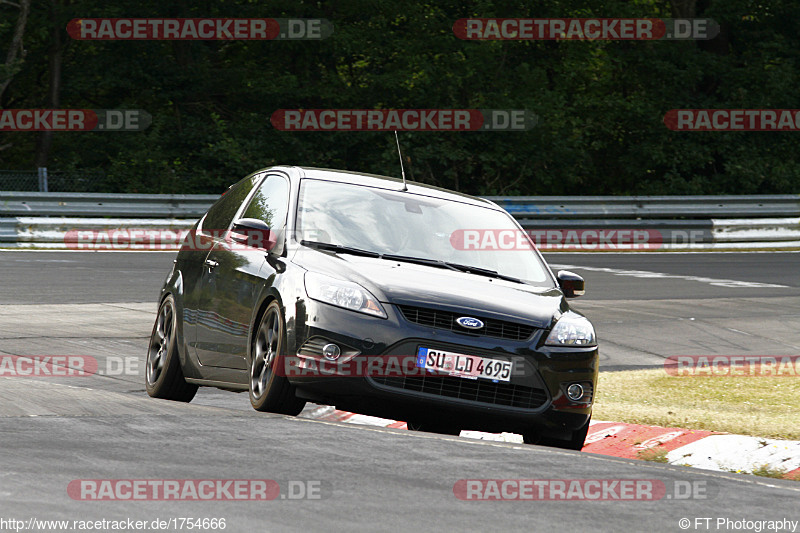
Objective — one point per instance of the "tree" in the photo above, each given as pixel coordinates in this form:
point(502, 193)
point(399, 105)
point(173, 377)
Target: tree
point(600, 104)
point(16, 50)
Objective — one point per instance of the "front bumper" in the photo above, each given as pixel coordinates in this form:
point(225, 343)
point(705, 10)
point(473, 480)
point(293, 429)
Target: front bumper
point(534, 398)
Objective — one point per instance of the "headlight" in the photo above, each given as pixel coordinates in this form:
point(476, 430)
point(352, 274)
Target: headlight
point(342, 294)
point(572, 330)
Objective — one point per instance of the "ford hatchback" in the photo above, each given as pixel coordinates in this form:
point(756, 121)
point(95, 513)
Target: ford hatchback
point(397, 300)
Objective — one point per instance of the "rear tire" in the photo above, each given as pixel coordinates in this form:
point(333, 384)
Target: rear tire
point(163, 374)
point(270, 391)
point(575, 442)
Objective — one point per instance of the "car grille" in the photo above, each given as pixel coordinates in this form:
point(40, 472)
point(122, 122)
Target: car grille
point(446, 320)
point(469, 389)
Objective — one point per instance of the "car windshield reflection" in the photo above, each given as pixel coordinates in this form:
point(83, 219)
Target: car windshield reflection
point(412, 227)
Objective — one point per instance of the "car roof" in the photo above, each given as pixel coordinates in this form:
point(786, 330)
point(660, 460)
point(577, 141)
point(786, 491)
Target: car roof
point(385, 182)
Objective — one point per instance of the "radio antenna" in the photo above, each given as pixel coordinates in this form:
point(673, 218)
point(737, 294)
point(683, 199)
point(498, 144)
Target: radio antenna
point(402, 170)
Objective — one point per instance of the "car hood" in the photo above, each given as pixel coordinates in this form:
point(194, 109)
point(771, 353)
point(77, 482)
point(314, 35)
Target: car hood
point(408, 283)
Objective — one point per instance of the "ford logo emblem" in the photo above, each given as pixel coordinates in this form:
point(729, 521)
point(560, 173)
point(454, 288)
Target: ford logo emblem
point(469, 322)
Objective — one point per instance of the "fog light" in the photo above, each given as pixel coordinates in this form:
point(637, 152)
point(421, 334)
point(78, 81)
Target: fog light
point(575, 392)
point(332, 352)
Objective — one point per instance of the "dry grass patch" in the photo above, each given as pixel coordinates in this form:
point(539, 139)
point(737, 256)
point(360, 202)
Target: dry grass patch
point(758, 406)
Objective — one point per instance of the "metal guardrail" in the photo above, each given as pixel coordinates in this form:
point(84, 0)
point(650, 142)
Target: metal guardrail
point(651, 207)
point(104, 205)
point(770, 233)
point(51, 232)
point(524, 208)
point(42, 219)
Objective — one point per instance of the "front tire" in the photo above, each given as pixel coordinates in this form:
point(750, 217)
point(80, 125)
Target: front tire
point(163, 375)
point(270, 391)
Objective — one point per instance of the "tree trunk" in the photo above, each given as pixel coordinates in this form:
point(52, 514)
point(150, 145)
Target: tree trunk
point(684, 9)
point(55, 60)
point(16, 51)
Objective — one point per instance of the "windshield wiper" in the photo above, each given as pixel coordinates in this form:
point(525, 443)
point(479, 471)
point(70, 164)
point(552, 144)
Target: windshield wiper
point(452, 266)
point(419, 261)
point(483, 272)
point(339, 248)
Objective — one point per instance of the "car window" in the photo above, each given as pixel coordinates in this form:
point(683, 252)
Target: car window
point(270, 202)
point(221, 214)
point(402, 223)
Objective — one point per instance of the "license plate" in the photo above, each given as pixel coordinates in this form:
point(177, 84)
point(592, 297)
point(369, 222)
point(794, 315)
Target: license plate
point(463, 365)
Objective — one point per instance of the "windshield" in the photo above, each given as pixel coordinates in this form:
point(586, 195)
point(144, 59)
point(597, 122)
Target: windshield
point(401, 223)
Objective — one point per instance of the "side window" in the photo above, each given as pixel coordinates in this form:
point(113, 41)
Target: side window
point(270, 203)
point(221, 214)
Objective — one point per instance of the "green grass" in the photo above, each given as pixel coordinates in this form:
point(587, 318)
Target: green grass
point(758, 406)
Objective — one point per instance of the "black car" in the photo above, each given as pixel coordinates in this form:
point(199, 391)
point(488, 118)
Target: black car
point(397, 300)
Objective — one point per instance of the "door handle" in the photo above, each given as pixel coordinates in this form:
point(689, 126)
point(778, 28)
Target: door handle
point(211, 264)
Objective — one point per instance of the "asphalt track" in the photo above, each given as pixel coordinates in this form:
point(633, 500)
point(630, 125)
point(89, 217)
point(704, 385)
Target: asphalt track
point(54, 430)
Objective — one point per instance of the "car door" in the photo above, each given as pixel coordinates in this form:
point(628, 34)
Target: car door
point(234, 273)
point(211, 228)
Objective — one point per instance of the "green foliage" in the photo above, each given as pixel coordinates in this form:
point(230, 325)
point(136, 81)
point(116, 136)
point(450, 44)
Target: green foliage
point(600, 104)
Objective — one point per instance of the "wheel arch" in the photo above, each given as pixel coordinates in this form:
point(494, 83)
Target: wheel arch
point(268, 295)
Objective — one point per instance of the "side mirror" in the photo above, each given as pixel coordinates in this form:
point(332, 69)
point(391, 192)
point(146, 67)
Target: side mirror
point(254, 233)
point(572, 285)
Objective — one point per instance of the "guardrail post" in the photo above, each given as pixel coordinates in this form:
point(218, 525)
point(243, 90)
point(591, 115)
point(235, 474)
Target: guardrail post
point(42, 179)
